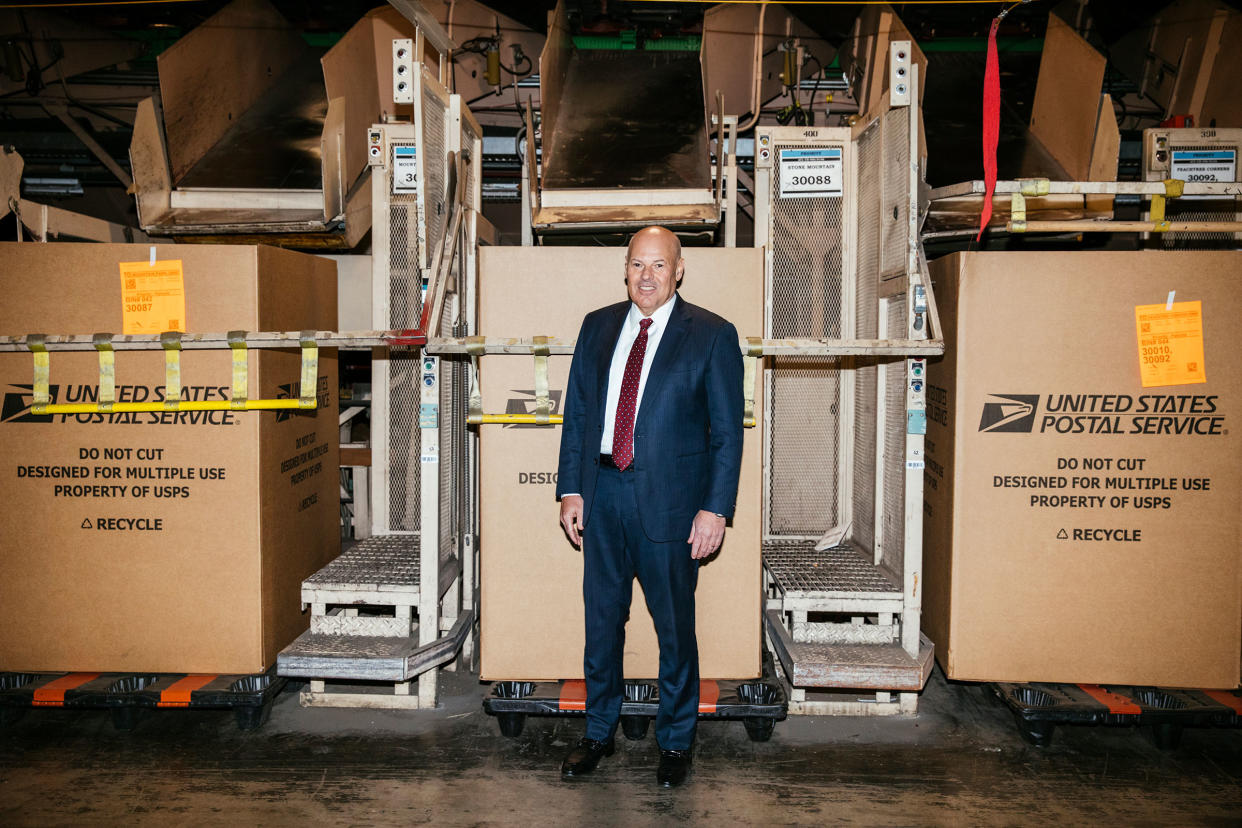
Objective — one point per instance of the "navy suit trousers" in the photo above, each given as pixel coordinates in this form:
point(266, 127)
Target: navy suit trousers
point(615, 549)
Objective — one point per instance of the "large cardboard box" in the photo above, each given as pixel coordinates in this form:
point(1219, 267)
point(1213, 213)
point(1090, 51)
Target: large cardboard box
point(531, 576)
point(1081, 527)
point(168, 541)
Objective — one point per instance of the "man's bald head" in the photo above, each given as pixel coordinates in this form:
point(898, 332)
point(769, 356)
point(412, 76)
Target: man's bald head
point(657, 233)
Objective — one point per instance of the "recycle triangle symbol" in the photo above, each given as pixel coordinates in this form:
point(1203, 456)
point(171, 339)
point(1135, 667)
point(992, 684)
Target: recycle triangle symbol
point(1061, 535)
point(86, 523)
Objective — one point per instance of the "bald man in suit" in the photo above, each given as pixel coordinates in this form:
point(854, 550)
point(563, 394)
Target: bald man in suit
point(651, 451)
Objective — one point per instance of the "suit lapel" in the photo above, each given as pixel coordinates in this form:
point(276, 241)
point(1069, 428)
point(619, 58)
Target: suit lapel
point(603, 359)
point(666, 354)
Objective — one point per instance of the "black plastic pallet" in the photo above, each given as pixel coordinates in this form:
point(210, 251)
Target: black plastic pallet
point(757, 703)
point(1039, 708)
point(129, 695)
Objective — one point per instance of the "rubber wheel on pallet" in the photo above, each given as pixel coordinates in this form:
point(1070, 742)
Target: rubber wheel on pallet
point(759, 728)
point(126, 718)
point(635, 727)
point(511, 724)
point(1038, 734)
point(252, 717)
point(11, 715)
point(1166, 735)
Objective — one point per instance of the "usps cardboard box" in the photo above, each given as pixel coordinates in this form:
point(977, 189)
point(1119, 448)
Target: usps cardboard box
point(530, 574)
point(166, 541)
point(1081, 526)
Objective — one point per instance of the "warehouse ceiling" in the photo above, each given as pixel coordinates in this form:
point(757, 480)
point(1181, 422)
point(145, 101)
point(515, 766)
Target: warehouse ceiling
point(91, 64)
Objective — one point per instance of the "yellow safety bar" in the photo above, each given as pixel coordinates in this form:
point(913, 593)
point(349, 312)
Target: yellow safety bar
point(475, 346)
point(171, 342)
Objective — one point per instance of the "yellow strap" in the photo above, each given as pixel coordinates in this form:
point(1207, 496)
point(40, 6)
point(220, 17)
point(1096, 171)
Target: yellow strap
point(107, 370)
point(1035, 186)
point(543, 405)
point(474, 412)
point(1017, 213)
point(1173, 187)
point(171, 340)
point(310, 370)
point(754, 352)
point(1157, 208)
point(37, 343)
point(241, 377)
point(1157, 211)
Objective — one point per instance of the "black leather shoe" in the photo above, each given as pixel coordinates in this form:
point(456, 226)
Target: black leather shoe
point(674, 765)
point(585, 756)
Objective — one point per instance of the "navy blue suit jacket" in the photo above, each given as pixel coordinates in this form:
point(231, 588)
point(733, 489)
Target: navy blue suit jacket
point(688, 435)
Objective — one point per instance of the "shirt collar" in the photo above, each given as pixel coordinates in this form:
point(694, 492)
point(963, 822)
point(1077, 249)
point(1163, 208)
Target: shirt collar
point(658, 319)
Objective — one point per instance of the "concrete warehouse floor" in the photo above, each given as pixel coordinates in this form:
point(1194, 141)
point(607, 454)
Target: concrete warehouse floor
point(960, 761)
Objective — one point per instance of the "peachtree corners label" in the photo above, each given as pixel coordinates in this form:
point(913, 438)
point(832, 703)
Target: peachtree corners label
point(1146, 415)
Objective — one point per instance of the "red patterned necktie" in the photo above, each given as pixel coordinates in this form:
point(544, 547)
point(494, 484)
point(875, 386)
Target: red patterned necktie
point(623, 424)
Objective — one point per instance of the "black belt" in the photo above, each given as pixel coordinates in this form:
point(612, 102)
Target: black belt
point(606, 461)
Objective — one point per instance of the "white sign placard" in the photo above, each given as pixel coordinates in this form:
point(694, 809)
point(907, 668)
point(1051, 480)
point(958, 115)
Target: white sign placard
point(811, 173)
point(404, 169)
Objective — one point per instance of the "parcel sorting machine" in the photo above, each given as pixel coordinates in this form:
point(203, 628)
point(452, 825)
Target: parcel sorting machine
point(393, 608)
point(404, 600)
point(837, 214)
point(849, 320)
point(271, 149)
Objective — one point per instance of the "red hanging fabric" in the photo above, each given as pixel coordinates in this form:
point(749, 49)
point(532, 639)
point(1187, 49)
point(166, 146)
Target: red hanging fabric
point(991, 126)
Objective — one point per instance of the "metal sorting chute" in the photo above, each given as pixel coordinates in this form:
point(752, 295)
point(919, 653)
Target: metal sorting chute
point(837, 213)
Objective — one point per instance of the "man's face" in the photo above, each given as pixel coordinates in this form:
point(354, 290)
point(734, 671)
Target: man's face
point(653, 269)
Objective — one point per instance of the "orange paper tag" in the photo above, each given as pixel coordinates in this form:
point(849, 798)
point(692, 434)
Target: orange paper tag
point(1170, 344)
point(152, 297)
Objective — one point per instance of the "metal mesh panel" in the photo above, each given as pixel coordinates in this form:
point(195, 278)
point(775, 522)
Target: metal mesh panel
point(470, 150)
point(806, 301)
point(433, 150)
point(404, 474)
point(867, 256)
point(1178, 209)
point(405, 306)
point(893, 537)
point(451, 420)
point(895, 208)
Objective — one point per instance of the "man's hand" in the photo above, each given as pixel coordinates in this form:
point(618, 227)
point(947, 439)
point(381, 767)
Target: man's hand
point(571, 518)
point(705, 534)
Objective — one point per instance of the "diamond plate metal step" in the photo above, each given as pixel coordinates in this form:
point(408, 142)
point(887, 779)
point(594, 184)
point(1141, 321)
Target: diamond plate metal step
point(852, 666)
point(369, 658)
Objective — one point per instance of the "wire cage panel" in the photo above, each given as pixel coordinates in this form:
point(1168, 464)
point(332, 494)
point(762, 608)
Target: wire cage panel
point(895, 206)
point(405, 307)
point(806, 299)
point(866, 310)
point(892, 540)
point(433, 115)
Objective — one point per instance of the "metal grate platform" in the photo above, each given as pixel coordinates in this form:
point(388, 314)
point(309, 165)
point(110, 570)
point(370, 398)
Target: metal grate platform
point(381, 562)
point(799, 571)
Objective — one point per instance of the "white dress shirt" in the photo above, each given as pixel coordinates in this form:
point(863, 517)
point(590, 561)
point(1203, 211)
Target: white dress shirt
point(621, 355)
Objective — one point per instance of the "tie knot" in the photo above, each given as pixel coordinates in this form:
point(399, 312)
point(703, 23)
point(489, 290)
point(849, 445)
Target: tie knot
point(644, 324)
